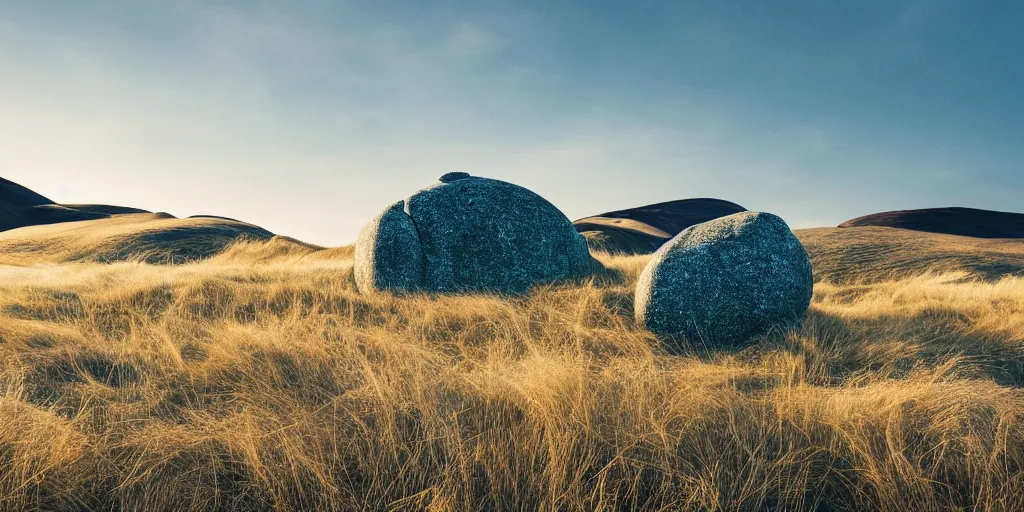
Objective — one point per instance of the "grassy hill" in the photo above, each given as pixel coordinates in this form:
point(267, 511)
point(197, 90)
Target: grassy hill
point(643, 229)
point(873, 254)
point(260, 379)
point(949, 220)
point(149, 237)
point(21, 207)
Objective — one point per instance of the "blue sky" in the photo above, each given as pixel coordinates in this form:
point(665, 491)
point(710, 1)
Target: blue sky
point(309, 117)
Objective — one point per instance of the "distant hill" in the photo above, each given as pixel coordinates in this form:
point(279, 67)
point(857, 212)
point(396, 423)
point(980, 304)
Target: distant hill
point(150, 237)
point(643, 229)
point(951, 221)
point(13, 195)
point(104, 209)
point(14, 200)
point(34, 229)
point(873, 254)
point(21, 207)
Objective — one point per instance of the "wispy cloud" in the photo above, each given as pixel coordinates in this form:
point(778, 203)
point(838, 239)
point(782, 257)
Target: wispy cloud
point(308, 118)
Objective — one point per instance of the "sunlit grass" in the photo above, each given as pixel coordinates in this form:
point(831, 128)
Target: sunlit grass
point(262, 380)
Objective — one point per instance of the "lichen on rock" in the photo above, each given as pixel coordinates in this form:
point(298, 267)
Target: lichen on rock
point(724, 281)
point(472, 234)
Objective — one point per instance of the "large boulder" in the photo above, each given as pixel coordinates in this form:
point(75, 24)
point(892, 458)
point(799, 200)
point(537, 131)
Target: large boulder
point(467, 234)
point(724, 281)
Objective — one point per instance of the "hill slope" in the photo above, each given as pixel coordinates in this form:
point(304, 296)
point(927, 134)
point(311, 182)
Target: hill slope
point(13, 195)
point(874, 254)
point(14, 200)
point(643, 229)
point(152, 237)
point(950, 221)
point(21, 207)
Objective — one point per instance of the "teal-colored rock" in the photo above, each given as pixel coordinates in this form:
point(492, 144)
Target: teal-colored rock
point(473, 235)
point(724, 281)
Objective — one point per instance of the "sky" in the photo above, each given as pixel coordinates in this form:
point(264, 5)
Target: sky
point(309, 117)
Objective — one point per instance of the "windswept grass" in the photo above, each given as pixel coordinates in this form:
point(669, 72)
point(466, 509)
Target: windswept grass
point(262, 380)
point(149, 237)
point(876, 254)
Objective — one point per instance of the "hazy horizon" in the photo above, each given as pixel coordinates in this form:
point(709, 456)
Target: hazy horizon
point(309, 118)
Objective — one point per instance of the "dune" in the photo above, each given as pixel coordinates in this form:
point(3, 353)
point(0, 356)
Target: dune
point(876, 254)
point(150, 237)
point(643, 229)
point(951, 221)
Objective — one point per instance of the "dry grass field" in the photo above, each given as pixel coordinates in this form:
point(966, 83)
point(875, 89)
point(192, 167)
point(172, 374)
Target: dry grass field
point(260, 379)
point(874, 254)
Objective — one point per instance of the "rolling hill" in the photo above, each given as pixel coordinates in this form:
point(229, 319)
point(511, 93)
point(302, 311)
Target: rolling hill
point(951, 221)
point(643, 229)
point(14, 200)
point(34, 229)
point(875, 254)
point(21, 207)
point(150, 237)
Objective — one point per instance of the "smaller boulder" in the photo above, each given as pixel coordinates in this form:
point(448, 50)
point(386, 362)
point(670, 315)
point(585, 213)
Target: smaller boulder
point(724, 281)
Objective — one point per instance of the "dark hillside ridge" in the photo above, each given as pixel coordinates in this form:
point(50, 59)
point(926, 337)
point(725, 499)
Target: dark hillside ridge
point(14, 195)
point(32, 227)
point(644, 229)
point(21, 207)
point(951, 221)
point(14, 200)
point(675, 216)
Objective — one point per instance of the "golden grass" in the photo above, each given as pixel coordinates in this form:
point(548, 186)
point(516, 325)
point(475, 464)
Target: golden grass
point(261, 380)
point(875, 254)
point(149, 237)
